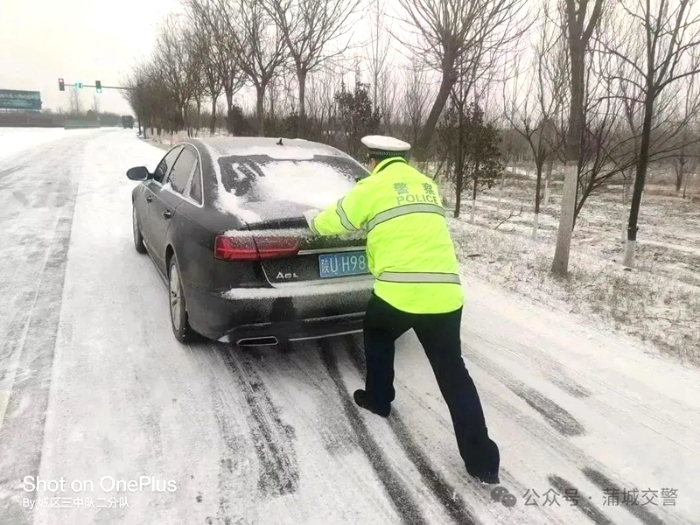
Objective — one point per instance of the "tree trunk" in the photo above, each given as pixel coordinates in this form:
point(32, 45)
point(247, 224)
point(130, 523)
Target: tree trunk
point(538, 190)
point(212, 121)
point(199, 116)
point(692, 188)
point(260, 109)
point(473, 210)
point(228, 90)
point(446, 83)
point(640, 176)
point(459, 181)
point(548, 181)
point(624, 210)
point(500, 193)
point(459, 165)
point(301, 79)
point(560, 265)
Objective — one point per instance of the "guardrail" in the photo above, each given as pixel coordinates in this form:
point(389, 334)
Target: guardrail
point(79, 124)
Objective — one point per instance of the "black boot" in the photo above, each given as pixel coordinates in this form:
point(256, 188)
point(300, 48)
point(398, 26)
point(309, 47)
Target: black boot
point(361, 400)
point(485, 478)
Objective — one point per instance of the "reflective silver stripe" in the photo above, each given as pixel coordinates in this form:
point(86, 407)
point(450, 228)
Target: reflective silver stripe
point(343, 217)
point(419, 277)
point(404, 210)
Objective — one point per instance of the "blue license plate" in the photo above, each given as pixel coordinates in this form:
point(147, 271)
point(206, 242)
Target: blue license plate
point(342, 264)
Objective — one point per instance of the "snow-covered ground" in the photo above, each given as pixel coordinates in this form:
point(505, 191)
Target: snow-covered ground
point(657, 302)
point(95, 390)
point(16, 140)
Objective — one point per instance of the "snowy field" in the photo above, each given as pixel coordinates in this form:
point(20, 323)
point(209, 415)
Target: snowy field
point(593, 427)
point(658, 302)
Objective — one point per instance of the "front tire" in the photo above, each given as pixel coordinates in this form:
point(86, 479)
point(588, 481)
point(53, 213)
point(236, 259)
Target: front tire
point(138, 238)
point(178, 307)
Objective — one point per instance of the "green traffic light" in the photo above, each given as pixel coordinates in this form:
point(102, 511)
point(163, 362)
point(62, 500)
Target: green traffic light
point(79, 85)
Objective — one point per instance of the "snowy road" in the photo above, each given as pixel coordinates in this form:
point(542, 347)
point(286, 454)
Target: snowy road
point(94, 389)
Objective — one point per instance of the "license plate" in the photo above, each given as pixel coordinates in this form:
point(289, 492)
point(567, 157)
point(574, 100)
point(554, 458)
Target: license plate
point(342, 264)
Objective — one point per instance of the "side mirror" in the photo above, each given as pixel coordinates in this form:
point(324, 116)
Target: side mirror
point(138, 173)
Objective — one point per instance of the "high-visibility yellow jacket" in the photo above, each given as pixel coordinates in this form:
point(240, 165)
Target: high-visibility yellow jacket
point(409, 249)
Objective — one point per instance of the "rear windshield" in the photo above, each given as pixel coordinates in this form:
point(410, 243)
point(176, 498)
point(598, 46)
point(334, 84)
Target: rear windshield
point(259, 178)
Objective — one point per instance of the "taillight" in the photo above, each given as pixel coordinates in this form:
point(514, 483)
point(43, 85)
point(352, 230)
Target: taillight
point(247, 248)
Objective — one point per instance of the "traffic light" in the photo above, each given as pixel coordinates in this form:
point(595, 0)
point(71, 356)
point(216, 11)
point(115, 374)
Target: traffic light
point(61, 85)
point(79, 85)
point(98, 86)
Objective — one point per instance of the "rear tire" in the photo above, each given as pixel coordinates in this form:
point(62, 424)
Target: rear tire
point(179, 319)
point(138, 238)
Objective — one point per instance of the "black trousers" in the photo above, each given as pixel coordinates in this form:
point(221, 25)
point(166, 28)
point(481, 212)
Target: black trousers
point(439, 334)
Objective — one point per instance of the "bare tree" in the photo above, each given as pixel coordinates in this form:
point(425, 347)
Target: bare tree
point(578, 30)
point(378, 49)
point(415, 101)
point(257, 45)
point(454, 34)
point(216, 64)
point(535, 117)
point(665, 35)
point(75, 104)
point(172, 61)
point(307, 27)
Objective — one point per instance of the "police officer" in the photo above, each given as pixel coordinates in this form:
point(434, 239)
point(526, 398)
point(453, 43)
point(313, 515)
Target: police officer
point(411, 255)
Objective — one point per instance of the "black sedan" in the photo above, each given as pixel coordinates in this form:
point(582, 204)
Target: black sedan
point(222, 220)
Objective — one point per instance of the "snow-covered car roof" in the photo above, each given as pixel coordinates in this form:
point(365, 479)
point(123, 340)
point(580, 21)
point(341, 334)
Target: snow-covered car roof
point(289, 149)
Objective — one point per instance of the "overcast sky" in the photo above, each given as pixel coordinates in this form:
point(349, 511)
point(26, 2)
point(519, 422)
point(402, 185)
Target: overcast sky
point(78, 40)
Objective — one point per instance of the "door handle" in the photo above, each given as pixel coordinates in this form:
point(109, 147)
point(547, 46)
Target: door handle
point(167, 214)
point(149, 198)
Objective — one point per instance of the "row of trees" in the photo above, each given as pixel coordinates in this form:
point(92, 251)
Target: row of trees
point(603, 88)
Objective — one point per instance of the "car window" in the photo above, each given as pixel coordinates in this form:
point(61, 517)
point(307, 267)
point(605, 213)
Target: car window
point(196, 184)
point(261, 178)
point(165, 164)
point(180, 174)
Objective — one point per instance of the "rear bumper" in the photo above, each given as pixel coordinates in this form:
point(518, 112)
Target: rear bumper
point(290, 331)
point(289, 317)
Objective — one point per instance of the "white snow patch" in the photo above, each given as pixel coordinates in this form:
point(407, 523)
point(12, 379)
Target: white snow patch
point(227, 202)
point(300, 290)
point(309, 183)
point(292, 232)
point(15, 140)
point(284, 153)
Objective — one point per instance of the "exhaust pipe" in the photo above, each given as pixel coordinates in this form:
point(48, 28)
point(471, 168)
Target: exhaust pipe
point(258, 341)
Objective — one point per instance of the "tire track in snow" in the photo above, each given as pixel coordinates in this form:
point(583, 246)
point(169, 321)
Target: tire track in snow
point(570, 492)
point(357, 357)
point(272, 438)
point(555, 415)
point(399, 494)
point(446, 494)
point(229, 477)
point(549, 368)
point(22, 430)
point(607, 485)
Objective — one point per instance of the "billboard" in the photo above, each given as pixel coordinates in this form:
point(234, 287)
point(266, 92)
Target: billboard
point(13, 99)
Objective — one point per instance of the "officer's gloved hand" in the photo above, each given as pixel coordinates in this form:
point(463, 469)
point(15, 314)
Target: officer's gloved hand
point(309, 215)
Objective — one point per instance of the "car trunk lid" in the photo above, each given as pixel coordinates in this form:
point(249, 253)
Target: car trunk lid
point(289, 252)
